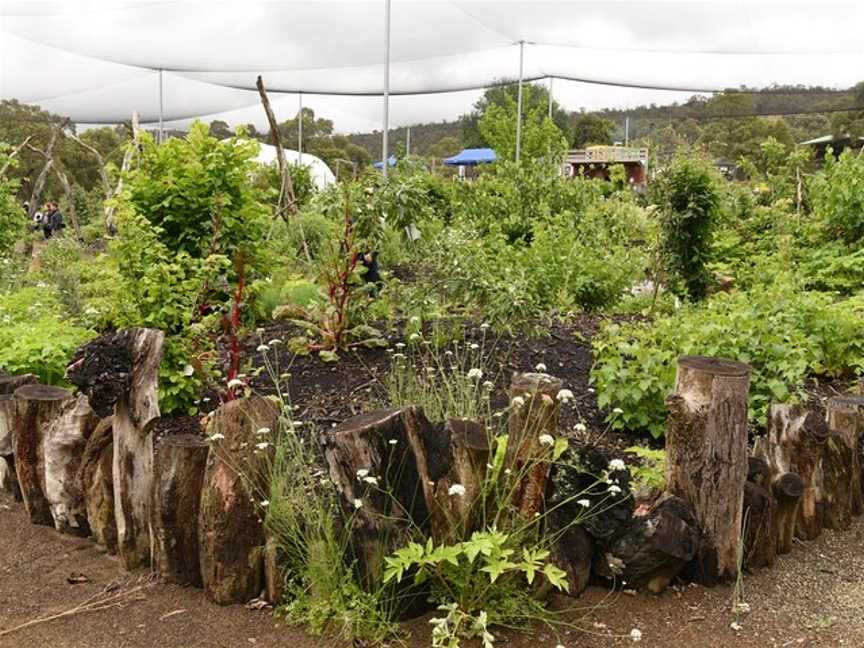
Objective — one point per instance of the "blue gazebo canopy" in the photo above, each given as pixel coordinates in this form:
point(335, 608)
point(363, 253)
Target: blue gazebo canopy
point(391, 162)
point(472, 156)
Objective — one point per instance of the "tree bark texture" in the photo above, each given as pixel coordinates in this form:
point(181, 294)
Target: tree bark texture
point(795, 443)
point(96, 480)
point(452, 456)
point(538, 415)
point(837, 482)
point(8, 478)
point(64, 442)
point(8, 384)
point(846, 418)
point(383, 445)
point(133, 447)
point(230, 529)
point(178, 475)
point(760, 526)
point(706, 455)
point(36, 406)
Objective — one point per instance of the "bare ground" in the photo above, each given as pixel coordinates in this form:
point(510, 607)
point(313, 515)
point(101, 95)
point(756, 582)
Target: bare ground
point(812, 597)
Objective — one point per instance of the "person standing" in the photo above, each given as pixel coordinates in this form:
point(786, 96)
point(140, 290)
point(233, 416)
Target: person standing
point(56, 222)
point(47, 217)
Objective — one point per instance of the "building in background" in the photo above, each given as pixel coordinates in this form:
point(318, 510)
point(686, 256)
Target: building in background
point(595, 162)
point(837, 143)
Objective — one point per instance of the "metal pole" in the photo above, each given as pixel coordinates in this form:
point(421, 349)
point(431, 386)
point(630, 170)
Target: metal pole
point(551, 79)
point(384, 148)
point(161, 108)
point(300, 128)
point(627, 131)
point(408, 143)
point(519, 102)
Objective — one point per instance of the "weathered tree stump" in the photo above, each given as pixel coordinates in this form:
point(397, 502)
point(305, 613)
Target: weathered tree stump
point(133, 447)
point(787, 489)
point(63, 446)
point(95, 476)
point(706, 457)
point(845, 416)
point(448, 458)
point(8, 384)
point(537, 415)
point(795, 443)
point(36, 407)
point(102, 369)
point(274, 577)
point(230, 530)
point(653, 548)
point(8, 478)
point(382, 446)
point(760, 526)
point(837, 483)
point(178, 475)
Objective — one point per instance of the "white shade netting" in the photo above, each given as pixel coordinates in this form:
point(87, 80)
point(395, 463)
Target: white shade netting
point(96, 61)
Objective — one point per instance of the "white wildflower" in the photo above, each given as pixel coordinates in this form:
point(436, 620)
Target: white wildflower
point(262, 445)
point(363, 472)
point(265, 503)
point(259, 331)
point(188, 370)
point(475, 374)
point(399, 345)
point(614, 489)
point(488, 384)
point(393, 442)
point(584, 503)
point(546, 439)
point(616, 464)
point(517, 401)
point(540, 367)
point(413, 337)
point(371, 480)
point(275, 341)
point(580, 427)
point(358, 503)
point(456, 489)
point(564, 395)
point(235, 382)
point(263, 431)
point(474, 346)
point(216, 437)
point(636, 634)
point(617, 410)
point(262, 348)
point(414, 319)
point(484, 326)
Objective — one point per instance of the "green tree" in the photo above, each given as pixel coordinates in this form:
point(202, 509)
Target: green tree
point(445, 147)
point(12, 217)
point(220, 130)
point(541, 137)
point(591, 129)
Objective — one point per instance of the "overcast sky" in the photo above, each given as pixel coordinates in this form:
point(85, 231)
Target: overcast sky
point(96, 60)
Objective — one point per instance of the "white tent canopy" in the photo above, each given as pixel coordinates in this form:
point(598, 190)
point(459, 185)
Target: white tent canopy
point(320, 172)
point(96, 60)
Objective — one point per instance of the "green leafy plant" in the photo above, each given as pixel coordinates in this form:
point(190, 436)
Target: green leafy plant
point(837, 196)
point(651, 473)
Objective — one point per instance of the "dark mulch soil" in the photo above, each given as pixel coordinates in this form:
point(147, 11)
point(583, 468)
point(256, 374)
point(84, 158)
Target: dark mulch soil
point(172, 425)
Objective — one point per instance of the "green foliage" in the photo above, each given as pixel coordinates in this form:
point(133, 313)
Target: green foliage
point(540, 136)
point(652, 471)
point(837, 196)
point(784, 333)
point(35, 337)
point(13, 218)
point(589, 129)
point(688, 197)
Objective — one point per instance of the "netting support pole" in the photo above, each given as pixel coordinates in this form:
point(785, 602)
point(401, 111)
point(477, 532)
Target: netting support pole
point(551, 79)
point(519, 102)
point(384, 149)
point(408, 142)
point(161, 108)
point(300, 128)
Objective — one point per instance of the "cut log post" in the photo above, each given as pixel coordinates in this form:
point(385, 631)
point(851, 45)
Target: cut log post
point(572, 551)
point(8, 384)
point(36, 406)
point(8, 478)
point(760, 526)
point(230, 529)
point(837, 483)
point(133, 447)
point(535, 415)
point(379, 446)
point(95, 476)
point(653, 548)
point(274, 577)
point(706, 457)
point(178, 475)
point(787, 489)
point(63, 445)
point(795, 443)
point(845, 416)
point(447, 459)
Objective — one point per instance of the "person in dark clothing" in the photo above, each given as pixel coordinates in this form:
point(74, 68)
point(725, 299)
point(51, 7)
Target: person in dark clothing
point(57, 223)
point(369, 260)
point(47, 230)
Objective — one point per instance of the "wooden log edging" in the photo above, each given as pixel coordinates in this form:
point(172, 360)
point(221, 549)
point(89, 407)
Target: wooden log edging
point(8, 477)
point(845, 417)
point(96, 481)
point(178, 477)
point(706, 455)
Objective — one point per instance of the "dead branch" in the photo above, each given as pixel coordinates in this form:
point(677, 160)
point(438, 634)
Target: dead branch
point(14, 154)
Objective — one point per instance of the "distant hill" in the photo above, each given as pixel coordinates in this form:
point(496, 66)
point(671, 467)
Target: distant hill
point(423, 137)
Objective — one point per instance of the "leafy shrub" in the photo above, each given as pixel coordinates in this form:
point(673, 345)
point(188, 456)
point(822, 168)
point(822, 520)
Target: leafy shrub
point(35, 337)
point(688, 196)
point(837, 196)
point(13, 218)
point(784, 334)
